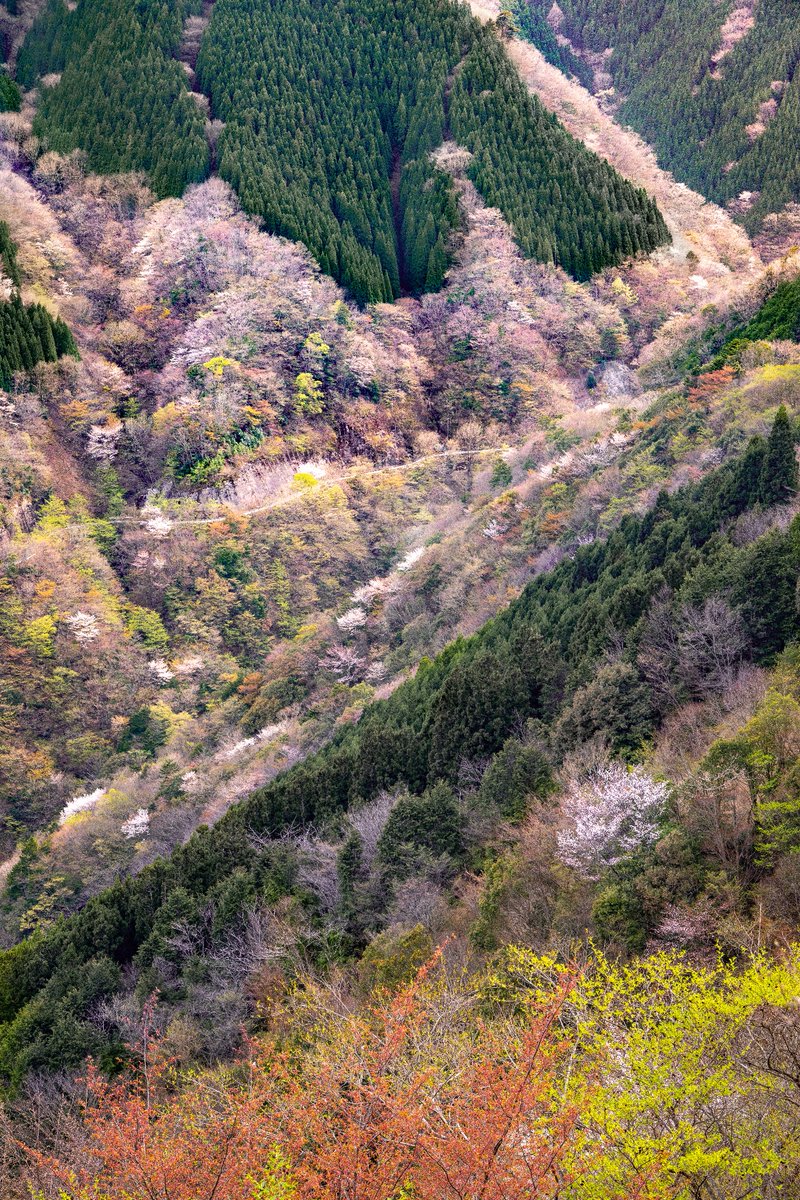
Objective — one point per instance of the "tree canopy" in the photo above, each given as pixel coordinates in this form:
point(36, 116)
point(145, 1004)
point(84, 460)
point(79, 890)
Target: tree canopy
point(329, 114)
point(716, 95)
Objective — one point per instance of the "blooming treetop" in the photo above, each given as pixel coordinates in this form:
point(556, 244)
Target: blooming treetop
point(612, 812)
point(353, 619)
point(136, 825)
point(80, 804)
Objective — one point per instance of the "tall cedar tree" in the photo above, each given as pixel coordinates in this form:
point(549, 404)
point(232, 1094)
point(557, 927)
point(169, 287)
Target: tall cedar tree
point(779, 473)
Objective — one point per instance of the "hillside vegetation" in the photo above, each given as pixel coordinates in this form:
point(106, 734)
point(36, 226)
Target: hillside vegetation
point(399, 620)
point(122, 96)
point(527, 1075)
point(542, 665)
point(713, 87)
point(332, 148)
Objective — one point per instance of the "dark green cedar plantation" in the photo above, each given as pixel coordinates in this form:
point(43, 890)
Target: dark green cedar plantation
point(8, 256)
point(530, 21)
point(697, 116)
point(122, 97)
point(544, 660)
point(330, 110)
point(28, 333)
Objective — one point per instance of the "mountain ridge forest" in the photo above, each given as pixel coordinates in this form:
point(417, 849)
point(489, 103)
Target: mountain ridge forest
point(301, 181)
point(713, 88)
point(399, 655)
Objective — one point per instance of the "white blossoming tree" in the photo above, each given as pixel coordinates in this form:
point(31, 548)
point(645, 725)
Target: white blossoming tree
point(83, 626)
point(160, 671)
point(101, 442)
point(137, 825)
point(345, 663)
point(352, 620)
point(79, 804)
point(411, 558)
point(609, 814)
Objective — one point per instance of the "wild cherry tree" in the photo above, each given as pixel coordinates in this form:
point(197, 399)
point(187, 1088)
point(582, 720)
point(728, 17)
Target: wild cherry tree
point(612, 812)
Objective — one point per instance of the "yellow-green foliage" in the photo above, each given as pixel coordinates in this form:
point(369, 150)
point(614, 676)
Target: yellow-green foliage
point(303, 480)
point(55, 514)
point(778, 373)
point(147, 626)
point(277, 1182)
point(174, 721)
point(771, 385)
point(216, 366)
point(670, 1094)
point(623, 291)
point(40, 634)
point(659, 1073)
point(316, 344)
point(308, 394)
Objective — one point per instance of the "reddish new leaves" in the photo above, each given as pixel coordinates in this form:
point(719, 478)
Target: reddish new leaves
point(393, 1099)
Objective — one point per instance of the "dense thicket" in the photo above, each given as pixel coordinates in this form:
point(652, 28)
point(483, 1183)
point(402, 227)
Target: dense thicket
point(532, 24)
point(45, 47)
point(315, 141)
point(546, 659)
point(539, 176)
point(28, 333)
point(702, 115)
point(330, 111)
point(122, 96)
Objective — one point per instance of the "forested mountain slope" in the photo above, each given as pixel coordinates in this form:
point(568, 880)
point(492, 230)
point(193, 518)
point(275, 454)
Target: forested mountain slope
point(713, 87)
point(123, 97)
point(546, 664)
point(453, 607)
point(414, 465)
point(331, 148)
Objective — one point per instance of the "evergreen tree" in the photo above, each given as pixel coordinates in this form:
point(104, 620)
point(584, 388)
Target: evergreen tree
point(10, 95)
point(8, 255)
point(348, 871)
point(779, 472)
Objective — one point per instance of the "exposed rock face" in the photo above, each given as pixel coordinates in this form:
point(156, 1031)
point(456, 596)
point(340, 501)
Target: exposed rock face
point(618, 383)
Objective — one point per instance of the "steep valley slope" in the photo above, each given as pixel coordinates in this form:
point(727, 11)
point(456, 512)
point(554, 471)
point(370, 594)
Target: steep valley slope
point(328, 596)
